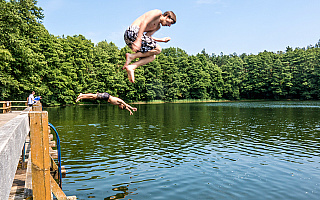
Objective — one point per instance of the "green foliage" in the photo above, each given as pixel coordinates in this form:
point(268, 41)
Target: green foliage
point(59, 68)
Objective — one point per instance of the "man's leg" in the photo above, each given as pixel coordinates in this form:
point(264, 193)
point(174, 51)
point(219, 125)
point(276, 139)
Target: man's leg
point(130, 68)
point(130, 57)
point(145, 58)
point(86, 96)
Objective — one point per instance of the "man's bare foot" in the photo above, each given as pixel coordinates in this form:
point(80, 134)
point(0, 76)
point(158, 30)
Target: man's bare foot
point(128, 60)
point(130, 72)
point(79, 97)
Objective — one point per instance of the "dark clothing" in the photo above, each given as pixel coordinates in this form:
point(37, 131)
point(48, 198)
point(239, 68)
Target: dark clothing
point(104, 96)
point(147, 43)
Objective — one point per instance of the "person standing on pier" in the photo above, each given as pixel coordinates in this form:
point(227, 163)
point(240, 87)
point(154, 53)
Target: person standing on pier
point(111, 99)
point(30, 99)
point(139, 38)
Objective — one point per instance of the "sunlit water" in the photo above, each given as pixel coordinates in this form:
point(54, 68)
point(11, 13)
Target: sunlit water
point(236, 150)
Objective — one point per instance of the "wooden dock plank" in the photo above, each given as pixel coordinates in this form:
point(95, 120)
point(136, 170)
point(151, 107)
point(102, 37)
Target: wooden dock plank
point(17, 189)
point(6, 117)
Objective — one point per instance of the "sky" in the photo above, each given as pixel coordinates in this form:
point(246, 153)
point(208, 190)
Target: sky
point(218, 26)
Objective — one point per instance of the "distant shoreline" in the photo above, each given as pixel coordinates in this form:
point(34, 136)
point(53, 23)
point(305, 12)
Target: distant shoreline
point(212, 101)
point(194, 101)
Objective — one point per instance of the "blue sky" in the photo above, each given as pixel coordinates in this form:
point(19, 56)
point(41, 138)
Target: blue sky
point(228, 26)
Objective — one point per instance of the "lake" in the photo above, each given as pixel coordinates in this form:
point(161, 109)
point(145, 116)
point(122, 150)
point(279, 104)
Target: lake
point(229, 150)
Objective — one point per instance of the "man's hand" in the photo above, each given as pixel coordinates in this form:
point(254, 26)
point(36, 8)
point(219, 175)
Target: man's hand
point(133, 109)
point(166, 39)
point(129, 108)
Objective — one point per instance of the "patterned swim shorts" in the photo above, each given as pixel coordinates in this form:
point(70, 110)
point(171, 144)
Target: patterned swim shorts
point(104, 96)
point(131, 35)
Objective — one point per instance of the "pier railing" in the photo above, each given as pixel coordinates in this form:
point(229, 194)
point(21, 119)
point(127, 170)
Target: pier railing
point(12, 138)
point(6, 106)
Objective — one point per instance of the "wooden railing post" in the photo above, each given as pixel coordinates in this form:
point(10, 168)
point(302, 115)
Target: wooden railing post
point(37, 106)
point(43, 183)
point(9, 105)
point(40, 158)
point(4, 106)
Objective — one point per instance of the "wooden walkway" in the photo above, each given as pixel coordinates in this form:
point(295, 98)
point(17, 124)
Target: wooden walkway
point(5, 117)
point(19, 183)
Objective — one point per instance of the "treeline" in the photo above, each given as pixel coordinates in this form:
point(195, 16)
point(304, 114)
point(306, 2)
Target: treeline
point(59, 68)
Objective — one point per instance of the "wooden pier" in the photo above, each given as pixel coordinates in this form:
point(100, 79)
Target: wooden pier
point(4, 118)
point(35, 177)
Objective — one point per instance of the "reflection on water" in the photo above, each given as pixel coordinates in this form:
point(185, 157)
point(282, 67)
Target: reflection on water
point(238, 150)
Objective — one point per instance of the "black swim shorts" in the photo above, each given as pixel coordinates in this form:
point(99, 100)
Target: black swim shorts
point(147, 43)
point(104, 96)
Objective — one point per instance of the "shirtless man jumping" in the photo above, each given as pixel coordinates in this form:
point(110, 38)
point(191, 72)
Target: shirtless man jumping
point(138, 38)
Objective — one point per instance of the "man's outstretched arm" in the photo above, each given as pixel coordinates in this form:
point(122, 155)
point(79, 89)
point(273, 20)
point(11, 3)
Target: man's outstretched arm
point(128, 107)
point(165, 39)
point(117, 101)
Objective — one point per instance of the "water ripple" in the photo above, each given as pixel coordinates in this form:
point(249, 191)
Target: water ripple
point(261, 150)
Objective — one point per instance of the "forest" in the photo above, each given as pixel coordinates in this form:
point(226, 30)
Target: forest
point(58, 68)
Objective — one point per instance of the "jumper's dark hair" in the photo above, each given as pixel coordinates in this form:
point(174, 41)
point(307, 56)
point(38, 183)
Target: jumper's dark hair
point(171, 15)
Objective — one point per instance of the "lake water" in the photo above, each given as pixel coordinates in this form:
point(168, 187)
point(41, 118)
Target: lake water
point(232, 150)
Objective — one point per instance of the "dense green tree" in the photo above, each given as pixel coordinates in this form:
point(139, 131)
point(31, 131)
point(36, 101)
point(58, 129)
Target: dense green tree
point(19, 33)
point(154, 83)
point(59, 68)
point(7, 82)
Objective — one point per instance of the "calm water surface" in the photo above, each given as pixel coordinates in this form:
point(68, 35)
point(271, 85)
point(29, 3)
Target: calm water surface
point(236, 150)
